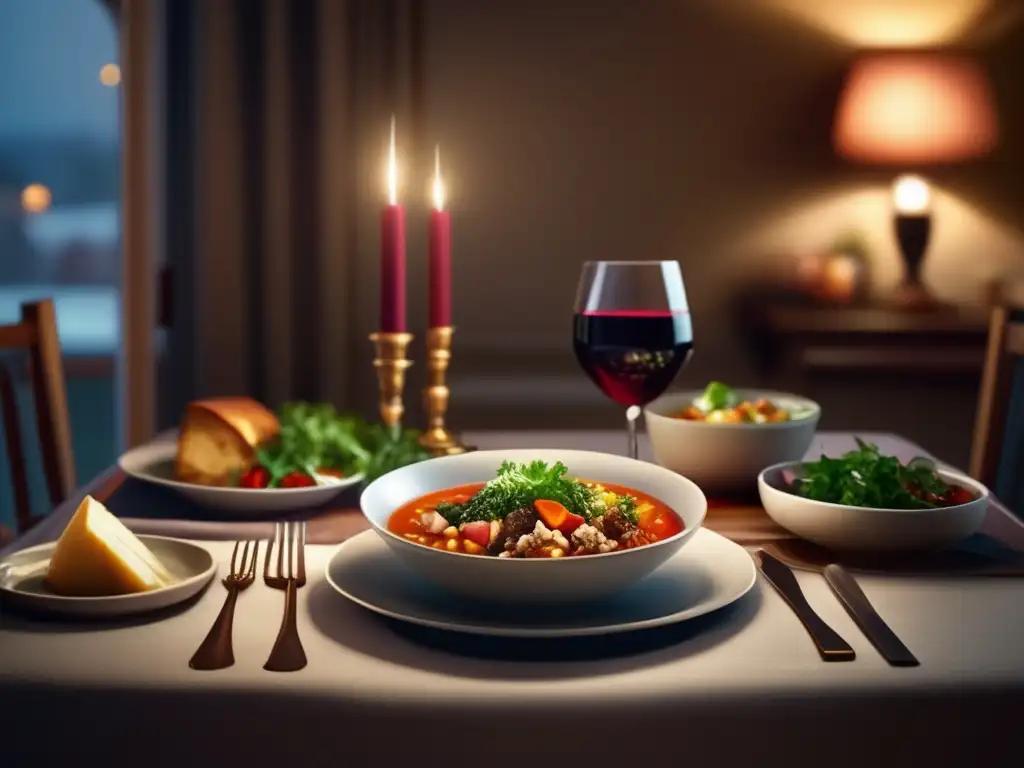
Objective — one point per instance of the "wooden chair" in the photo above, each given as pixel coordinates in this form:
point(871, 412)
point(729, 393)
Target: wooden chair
point(1005, 348)
point(37, 333)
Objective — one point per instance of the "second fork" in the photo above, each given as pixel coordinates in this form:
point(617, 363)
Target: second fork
point(289, 538)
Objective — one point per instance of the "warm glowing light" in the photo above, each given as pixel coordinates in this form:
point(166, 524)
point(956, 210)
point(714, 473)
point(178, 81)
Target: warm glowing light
point(438, 181)
point(392, 168)
point(889, 23)
point(907, 109)
point(110, 75)
point(911, 195)
point(36, 198)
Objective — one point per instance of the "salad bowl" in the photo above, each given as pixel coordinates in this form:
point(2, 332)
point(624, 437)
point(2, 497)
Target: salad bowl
point(723, 451)
point(885, 528)
point(551, 580)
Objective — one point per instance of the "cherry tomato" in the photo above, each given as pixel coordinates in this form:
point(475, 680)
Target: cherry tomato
point(297, 480)
point(257, 477)
point(959, 495)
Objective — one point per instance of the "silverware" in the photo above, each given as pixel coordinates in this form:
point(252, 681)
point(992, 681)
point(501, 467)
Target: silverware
point(287, 654)
point(216, 650)
point(872, 625)
point(830, 645)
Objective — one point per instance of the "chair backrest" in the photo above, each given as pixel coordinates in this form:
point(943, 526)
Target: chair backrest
point(37, 334)
point(1005, 351)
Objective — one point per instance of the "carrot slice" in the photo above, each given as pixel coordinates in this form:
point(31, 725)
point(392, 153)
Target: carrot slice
point(571, 523)
point(551, 512)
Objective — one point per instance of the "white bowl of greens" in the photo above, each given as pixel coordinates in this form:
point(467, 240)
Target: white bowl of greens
point(864, 501)
point(721, 437)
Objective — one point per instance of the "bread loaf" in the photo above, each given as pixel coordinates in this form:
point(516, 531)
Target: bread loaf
point(218, 439)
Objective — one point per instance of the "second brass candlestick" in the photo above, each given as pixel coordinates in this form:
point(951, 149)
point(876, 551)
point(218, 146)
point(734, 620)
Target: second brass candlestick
point(437, 439)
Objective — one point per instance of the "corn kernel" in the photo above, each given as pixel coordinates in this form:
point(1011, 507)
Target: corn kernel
point(557, 552)
point(472, 547)
point(450, 532)
point(422, 539)
point(610, 499)
point(413, 537)
point(453, 544)
point(439, 544)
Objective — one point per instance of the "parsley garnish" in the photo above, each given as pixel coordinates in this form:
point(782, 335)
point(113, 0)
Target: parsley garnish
point(866, 478)
point(520, 485)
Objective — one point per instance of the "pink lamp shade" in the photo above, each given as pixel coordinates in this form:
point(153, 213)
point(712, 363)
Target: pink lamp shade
point(915, 109)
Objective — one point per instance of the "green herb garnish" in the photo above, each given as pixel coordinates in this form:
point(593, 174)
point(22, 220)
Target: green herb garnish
point(520, 485)
point(866, 478)
point(314, 437)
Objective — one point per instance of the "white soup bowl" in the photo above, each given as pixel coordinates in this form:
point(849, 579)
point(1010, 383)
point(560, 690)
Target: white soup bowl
point(519, 580)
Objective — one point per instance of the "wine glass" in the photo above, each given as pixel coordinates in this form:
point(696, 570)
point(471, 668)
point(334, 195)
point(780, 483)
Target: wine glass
point(632, 331)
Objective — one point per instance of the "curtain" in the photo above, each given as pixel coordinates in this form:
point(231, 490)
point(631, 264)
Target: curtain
point(275, 111)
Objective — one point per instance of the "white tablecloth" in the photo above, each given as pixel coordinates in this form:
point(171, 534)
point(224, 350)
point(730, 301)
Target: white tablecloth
point(739, 687)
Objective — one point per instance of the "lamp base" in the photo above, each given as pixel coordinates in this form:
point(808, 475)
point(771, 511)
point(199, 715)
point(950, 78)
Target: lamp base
point(915, 297)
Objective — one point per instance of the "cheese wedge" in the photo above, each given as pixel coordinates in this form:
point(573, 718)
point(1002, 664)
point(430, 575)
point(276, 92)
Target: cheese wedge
point(97, 555)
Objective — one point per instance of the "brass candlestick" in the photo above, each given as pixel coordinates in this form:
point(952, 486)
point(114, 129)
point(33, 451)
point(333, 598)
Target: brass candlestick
point(437, 439)
point(391, 364)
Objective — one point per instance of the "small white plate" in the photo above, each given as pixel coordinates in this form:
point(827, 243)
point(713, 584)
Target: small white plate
point(22, 573)
point(709, 573)
point(154, 463)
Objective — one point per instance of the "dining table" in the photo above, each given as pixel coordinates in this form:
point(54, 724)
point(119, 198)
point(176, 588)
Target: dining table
point(742, 686)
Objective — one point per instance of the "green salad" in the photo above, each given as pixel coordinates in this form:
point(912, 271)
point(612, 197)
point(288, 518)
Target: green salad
point(314, 437)
point(867, 478)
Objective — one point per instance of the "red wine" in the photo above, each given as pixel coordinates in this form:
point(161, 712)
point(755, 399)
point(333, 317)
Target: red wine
point(632, 355)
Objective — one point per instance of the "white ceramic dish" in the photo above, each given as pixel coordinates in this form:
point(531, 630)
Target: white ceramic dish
point(562, 580)
point(860, 529)
point(728, 457)
point(710, 573)
point(154, 463)
point(22, 573)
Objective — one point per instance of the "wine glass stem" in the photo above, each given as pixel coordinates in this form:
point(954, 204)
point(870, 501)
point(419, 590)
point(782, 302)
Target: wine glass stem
point(633, 449)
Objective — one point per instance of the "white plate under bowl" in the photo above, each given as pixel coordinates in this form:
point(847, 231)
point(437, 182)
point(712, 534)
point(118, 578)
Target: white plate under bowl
point(844, 528)
point(537, 580)
point(710, 573)
point(154, 463)
point(22, 573)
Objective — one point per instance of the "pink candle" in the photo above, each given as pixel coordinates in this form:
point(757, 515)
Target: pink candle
point(440, 254)
point(392, 252)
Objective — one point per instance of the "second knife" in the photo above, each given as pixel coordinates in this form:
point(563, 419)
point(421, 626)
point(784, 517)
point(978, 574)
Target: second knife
point(872, 625)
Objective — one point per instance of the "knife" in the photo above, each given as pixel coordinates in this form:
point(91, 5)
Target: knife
point(830, 645)
point(861, 611)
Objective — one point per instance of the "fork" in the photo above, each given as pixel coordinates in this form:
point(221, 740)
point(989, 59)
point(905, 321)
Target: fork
point(287, 654)
point(216, 652)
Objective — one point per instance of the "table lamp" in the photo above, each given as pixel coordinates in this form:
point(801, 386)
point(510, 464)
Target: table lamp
point(911, 110)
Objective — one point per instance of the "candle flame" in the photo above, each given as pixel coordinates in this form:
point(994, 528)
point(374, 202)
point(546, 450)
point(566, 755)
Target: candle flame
point(392, 168)
point(438, 181)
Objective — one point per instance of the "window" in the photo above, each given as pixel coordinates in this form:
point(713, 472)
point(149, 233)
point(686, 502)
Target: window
point(59, 204)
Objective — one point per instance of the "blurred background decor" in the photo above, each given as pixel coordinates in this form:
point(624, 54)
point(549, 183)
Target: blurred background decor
point(914, 110)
